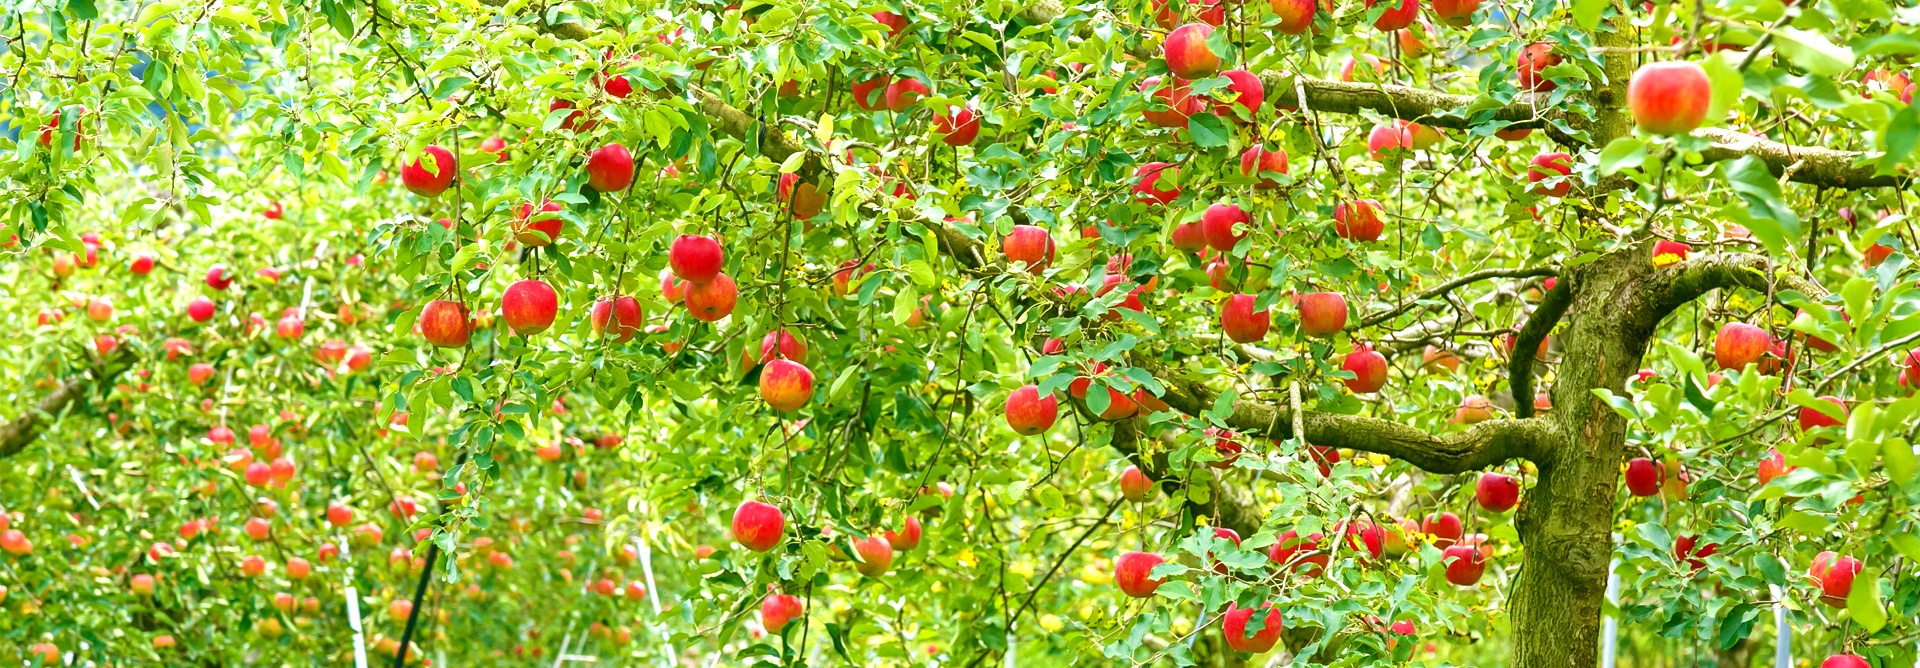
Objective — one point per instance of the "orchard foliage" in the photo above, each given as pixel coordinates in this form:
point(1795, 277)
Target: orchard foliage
point(917, 333)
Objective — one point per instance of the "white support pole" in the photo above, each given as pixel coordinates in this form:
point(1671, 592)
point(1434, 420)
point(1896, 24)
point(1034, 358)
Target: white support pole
point(653, 596)
point(1782, 631)
point(1610, 627)
point(1011, 653)
point(353, 609)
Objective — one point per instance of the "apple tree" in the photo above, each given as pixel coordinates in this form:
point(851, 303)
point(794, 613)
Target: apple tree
point(949, 333)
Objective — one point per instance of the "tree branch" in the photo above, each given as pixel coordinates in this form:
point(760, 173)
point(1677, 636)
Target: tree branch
point(25, 427)
point(1527, 343)
point(1676, 285)
point(1480, 446)
point(1817, 166)
point(1445, 288)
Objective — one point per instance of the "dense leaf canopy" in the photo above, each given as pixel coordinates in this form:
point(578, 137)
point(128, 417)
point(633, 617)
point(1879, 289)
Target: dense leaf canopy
point(482, 331)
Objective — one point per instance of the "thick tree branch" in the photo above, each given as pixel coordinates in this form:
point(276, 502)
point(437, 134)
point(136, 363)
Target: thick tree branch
point(1676, 285)
point(1527, 343)
point(1816, 166)
point(1480, 446)
point(25, 427)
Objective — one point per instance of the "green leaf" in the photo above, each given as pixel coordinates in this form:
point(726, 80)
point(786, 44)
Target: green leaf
point(1621, 154)
point(904, 303)
point(1901, 135)
point(1864, 603)
point(1779, 227)
point(1728, 83)
point(1812, 51)
point(1586, 13)
point(1207, 130)
point(1897, 456)
point(1223, 405)
point(1907, 544)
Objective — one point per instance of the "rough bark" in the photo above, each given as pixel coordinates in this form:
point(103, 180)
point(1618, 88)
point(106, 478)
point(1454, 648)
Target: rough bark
point(25, 427)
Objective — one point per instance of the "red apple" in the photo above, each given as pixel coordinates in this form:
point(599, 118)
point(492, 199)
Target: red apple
point(1028, 413)
point(1845, 661)
point(142, 264)
point(1465, 564)
point(429, 181)
point(1445, 528)
point(1456, 13)
point(1396, 17)
point(1350, 68)
point(622, 313)
point(537, 229)
point(1176, 95)
point(895, 23)
point(871, 95)
point(1551, 165)
point(1835, 575)
point(1188, 237)
point(902, 94)
point(958, 127)
point(1369, 369)
point(1134, 485)
point(1473, 410)
point(1667, 252)
point(778, 609)
point(1739, 344)
point(496, 146)
point(758, 526)
point(1029, 244)
point(1669, 98)
point(712, 300)
point(1240, 322)
point(1532, 60)
point(1424, 136)
point(1295, 15)
point(1257, 162)
point(696, 258)
point(1233, 625)
point(1498, 493)
point(1217, 224)
point(786, 385)
point(1322, 313)
point(1247, 93)
point(875, 556)
point(1358, 220)
point(1643, 476)
point(907, 538)
point(529, 306)
point(1811, 418)
point(1132, 572)
point(1684, 551)
point(444, 324)
point(610, 168)
point(219, 278)
point(1188, 56)
point(1148, 189)
point(1388, 142)
point(1312, 560)
point(339, 515)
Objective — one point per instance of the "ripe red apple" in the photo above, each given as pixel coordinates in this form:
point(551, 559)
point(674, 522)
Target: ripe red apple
point(529, 306)
point(444, 324)
point(1396, 17)
point(1738, 344)
point(804, 200)
point(875, 556)
point(15, 542)
point(1176, 96)
point(696, 258)
point(429, 180)
point(1188, 56)
point(142, 264)
point(1669, 252)
point(298, 568)
point(1445, 528)
point(1132, 572)
point(1532, 60)
point(219, 278)
point(1811, 418)
point(1669, 98)
point(786, 385)
point(778, 609)
point(496, 146)
point(1358, 220)
point(1134, 485)
point(1498, 493)
point(622, 313)
point(1684, 551)
point(1240, 322)
point(1295, 15)
point(907, 538)
point(1835, 574)
point(1364, 534)
point(610, 168)
point(1322, 313)
point(258, 528)
point(1233, 625)
point(871, 95)
point(1424, 136)
point(1465, 564)
point(1228, 535)
point(1028, 413)
point(1874, 255)
point(1148, 189)
point(1257, 161)
point(895, 23)
point(1350, 68)
point(958, 127)
point(902, 94)
point(1845, 661)
point(712, 300)
point(1550, 165)
point(1456, 13)
point(100, 310)
point(1218, 225)
point(1188, 237)
point(1388, 142)
point(1369, 369)
point(1410, 45)
point(199, 373)
point(1246, 92)
point(1312, 560)
point(1772, 466)
point(1029, 244)
point(758, 526)
point(1643, 476)
point(1435, 360)
point(573, 121)
point(538, 229)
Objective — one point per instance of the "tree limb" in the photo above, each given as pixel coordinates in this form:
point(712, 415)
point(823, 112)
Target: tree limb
point(1677, 284)
point(1817, 166)
point(1480, 446)
point(1527, 343)
point(1445, 288)
point(25, 428)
